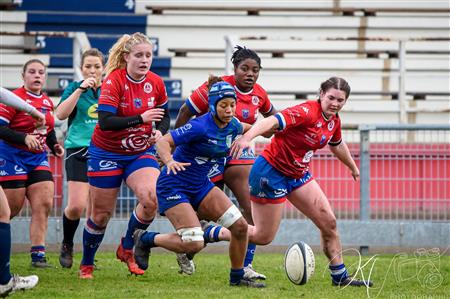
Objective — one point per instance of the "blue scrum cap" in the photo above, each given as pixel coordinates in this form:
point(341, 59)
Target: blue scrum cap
point(218, 91)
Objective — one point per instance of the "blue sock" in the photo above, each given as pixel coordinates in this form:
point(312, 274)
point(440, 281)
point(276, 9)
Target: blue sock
point(148, 238)
point(338, 272)
point(92, 238)
point(5, 252)
point(37, 253)
point(251, 248)
point(133, 224)
point(211, 234)
point(236, 275)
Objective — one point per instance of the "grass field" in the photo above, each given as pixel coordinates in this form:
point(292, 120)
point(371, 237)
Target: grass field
point(408, 276)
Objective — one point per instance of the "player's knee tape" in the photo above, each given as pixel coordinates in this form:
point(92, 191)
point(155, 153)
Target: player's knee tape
point(229, 217)
point(191, 234)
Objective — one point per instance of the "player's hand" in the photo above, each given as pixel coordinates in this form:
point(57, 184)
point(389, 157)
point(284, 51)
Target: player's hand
point(238, 146)
point(355, 174)
point(174, 166)
point(88, 83)
point(59, 150)
point(39, 117)
point(150, 115)
point(156, 135)
point(33, 143)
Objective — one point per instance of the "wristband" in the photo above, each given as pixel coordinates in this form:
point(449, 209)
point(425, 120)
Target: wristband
point(82, 88)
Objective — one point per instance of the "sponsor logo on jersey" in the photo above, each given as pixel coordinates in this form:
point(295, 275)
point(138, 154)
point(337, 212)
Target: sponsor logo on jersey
point(183, 129)
point(255, 100)
point(90, 168)
point(3, 173)
point(245, 113)
point(109, 82)
point(137, 102)
point(92, 111)
point(331, 125)
point(307, 157)
point(44, 163)
point(106, 164)
point(148, 88)
point(319, 124)
point(322, 139)
point(306, 109)
point(126, 87)
point(213, 141)
point(151, 102)
point(135, 142)
point(18, 169)
point(229, 140)
point(2, 162)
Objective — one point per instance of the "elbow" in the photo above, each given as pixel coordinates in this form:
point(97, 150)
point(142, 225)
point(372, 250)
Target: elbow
point(60, 115)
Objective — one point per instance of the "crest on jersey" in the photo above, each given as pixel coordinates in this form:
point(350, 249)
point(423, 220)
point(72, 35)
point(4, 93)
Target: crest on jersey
point(46, 102)
point(245, 113)
point(319, 124)
point(137, 102)
point(322, 139)
point(229, 140)
point(148, 87)
point(331, 125)
point(255, 100)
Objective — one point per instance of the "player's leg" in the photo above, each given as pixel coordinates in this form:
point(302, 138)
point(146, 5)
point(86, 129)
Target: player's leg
point(141, 176)
point(78, 198)
point(40, 191)
point(9, 283)
point(234, 175)
point(312, 202)
point(187, 239)
point(216, 206)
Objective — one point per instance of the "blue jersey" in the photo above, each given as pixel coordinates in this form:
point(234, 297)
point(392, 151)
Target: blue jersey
point(202, 143)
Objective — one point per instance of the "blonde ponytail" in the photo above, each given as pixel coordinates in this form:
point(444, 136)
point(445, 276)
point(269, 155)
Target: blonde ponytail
point(123, 45)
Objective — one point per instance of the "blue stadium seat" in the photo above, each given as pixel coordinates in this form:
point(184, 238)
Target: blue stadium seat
point(117, 6)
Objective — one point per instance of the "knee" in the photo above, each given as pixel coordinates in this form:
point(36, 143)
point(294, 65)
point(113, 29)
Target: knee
point(101, 218)
point(239, 228)
point(328, 227)
point(263, 239)
point(147, 198)
point(192, 247)
point(74, 211)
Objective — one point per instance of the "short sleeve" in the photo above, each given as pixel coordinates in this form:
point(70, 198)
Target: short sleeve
point(191, 131)
point(294, 116)
point(198, 100)
point(69, 90)
point(110, 94)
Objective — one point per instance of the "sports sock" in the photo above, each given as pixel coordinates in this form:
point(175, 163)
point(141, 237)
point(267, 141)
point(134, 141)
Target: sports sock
point(37, 253)
point(338, 272)
point(211, 234)
point(148, 238)
point(5, 252)
point(251, 248)
point(133, 224)
point(69, 229)
point(236, 275)
point(92, 238)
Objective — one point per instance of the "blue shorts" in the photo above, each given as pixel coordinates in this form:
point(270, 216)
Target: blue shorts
point(107, 169)
point(172, 190)
point(268, 185)
point(16, 164)
point(247, 158)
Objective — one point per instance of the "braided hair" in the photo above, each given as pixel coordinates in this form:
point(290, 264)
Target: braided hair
point(242, 53)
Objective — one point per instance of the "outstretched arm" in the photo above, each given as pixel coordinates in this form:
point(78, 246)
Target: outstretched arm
point(261, 127)
point(342, 152)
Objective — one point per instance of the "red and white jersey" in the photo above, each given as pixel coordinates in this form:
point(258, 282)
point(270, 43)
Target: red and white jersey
point(304, 129)
point(22, 122)
point(123, 96)
point(248, 103)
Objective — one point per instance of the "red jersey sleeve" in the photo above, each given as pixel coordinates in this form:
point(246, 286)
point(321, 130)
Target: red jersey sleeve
point(266, 105)
point(198, 100)
point(110, 92)
point(6, 113)
point(294, 116)
point(162, 99)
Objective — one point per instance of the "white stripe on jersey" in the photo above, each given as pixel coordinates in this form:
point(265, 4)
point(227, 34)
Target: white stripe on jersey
point(193, 105)
point(283, 121)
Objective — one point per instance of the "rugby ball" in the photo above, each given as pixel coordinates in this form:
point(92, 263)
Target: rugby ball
point(299, 263)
